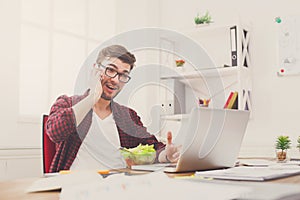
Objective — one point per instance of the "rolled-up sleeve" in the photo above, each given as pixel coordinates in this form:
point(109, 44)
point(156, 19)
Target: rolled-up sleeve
point(61, 122)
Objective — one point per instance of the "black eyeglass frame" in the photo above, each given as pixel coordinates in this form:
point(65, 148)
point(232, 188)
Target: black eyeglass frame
point(117, 73)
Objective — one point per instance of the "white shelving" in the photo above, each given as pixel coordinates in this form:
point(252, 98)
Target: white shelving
point(199, 80)
point(204, 73)
point(177, 117)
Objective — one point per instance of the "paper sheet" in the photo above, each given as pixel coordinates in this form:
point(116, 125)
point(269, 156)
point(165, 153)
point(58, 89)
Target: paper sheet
point(148, 186)
point(265, 163)
point(255, 162)
point(252, 173)
point(57, 182)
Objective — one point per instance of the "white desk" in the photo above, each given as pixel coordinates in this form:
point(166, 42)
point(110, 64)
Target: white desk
point(15, 189)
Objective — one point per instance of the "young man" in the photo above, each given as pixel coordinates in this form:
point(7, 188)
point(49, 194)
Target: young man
point(89, 130)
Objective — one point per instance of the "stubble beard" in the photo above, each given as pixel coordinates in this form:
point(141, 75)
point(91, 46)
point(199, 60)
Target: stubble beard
point(108, 98)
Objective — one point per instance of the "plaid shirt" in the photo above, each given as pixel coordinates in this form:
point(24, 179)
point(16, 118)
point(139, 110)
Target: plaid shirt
point(61, 128)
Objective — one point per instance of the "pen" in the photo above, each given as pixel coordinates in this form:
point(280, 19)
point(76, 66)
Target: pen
point(103, 172)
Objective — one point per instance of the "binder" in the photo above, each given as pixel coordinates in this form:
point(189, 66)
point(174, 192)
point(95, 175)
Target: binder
point(228, 100)
point(233, 101)
point(233, 40)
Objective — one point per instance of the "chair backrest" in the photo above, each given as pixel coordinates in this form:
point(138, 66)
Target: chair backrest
point(48, 147)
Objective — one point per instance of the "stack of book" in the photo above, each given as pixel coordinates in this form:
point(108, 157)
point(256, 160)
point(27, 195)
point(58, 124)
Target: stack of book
point(232, 101)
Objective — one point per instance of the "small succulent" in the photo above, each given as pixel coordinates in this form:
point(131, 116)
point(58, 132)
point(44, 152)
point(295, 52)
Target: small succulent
point(203, 19)
point(283, 142)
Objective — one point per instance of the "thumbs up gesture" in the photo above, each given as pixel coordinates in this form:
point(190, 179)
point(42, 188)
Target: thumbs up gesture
point(171, 152)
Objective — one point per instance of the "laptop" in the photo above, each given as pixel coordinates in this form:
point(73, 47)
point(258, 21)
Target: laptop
point(212, 139)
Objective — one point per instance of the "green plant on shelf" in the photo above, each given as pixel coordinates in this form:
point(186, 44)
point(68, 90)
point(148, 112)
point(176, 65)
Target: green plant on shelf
point(205, 19)
point(298, 143)
point(283, 143)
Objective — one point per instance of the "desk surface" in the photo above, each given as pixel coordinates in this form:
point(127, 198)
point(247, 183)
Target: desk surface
point(15, 189)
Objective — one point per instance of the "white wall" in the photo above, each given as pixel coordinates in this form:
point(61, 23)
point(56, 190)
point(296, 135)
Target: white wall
point(13, 136)
point(9, 76)
point(275, 99)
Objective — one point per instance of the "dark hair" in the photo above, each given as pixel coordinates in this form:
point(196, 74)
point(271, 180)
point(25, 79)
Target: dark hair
point(117, 51)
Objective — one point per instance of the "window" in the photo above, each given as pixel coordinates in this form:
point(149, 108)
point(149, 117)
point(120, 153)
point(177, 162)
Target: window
point(55, 39)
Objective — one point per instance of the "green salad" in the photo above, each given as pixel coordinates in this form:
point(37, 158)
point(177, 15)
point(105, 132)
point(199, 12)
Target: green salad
point(141, 154)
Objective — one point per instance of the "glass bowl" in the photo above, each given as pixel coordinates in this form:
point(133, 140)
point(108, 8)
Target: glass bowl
point(142, 158)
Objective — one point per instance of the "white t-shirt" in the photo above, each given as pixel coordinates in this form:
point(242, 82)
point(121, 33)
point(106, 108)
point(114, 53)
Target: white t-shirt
point(100, 147)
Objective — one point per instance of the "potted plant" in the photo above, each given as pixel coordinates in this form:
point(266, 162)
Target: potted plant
point(283, 143)
point(205, 19)
point(298, 141)
point(179, 62)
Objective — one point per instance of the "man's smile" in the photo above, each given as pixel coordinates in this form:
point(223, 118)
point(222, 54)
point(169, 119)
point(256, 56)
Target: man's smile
point(111, 87)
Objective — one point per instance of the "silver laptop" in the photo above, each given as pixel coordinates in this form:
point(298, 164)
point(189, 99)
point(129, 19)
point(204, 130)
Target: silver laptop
point(212, 139)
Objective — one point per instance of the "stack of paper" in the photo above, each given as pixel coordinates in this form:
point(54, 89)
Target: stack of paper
point(256, 162)
point(60, 181)
point(147, 186)
point(252, 173)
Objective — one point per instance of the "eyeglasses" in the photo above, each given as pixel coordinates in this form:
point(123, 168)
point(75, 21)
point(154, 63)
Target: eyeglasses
point(112, 73)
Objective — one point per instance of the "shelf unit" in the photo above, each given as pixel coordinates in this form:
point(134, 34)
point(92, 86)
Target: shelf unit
point(208, 80)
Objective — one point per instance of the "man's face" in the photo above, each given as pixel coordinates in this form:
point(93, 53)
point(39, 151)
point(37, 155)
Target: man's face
point(112, 86)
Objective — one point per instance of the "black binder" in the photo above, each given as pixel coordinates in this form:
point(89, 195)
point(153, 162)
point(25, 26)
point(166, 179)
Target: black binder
point(233, 39)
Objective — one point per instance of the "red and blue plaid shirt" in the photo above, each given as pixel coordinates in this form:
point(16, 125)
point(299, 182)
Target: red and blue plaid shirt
point(61, 128)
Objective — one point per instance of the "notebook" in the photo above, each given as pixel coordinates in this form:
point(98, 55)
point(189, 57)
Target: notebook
point(213, 138)
point(251, 173)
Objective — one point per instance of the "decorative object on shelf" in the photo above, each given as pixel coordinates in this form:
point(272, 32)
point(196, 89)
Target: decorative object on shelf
point(283, 143)
point(205, 19)
point(278, 20)
point(203, 102)
point(179, 62)
point(298, 143)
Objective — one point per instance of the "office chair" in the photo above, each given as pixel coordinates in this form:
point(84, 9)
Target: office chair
point(48, 147)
